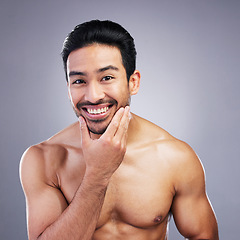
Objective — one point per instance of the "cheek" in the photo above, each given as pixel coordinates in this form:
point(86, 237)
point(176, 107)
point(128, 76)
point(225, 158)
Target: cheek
point(119, 90)
point(122, 96)
point(74, 96)
point(117, 93)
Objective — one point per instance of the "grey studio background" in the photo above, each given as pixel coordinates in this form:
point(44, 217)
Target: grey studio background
point(188, 54)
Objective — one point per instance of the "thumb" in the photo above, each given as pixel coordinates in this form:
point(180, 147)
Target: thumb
point(85, 137)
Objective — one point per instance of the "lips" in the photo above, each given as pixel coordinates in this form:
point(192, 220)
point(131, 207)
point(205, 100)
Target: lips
point(96, 112)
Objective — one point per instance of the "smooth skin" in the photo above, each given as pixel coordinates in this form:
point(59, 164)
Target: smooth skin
point(122, 184)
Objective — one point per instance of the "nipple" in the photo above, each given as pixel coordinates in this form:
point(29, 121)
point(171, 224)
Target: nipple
point(158, 219)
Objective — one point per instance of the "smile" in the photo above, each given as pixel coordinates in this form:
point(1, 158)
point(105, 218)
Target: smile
point(96, 111)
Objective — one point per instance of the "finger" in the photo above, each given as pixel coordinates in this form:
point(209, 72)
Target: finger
point(85, 137)
point(114, 124)
point(123, 125)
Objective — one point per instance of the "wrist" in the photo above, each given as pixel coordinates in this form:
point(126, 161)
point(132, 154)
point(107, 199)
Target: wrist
point(93, 176)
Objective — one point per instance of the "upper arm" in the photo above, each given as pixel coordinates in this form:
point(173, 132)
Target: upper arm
point(191, 209)
point(44, 202)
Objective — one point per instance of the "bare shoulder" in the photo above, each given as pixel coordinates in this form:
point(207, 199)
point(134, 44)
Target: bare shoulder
point(43, 153)
point(176, 154)
point(39, 165)
point(42, 161)
point(185, 163)
point(186, 167)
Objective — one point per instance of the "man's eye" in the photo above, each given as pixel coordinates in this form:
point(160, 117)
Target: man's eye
point(78, 81)
point(107, 78)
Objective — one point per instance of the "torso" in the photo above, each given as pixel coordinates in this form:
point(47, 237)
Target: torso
point(139, 196)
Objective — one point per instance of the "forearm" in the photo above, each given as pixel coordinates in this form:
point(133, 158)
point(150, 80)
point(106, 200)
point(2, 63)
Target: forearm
point(79, 219)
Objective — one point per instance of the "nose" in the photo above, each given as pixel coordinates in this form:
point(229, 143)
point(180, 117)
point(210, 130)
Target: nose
point(94, 92)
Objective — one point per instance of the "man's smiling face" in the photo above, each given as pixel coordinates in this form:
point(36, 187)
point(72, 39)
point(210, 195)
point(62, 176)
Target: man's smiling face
point(97, 84)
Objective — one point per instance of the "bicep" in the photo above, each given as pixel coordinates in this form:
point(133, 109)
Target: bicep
point(193, 215)
point(191, 209)
point(44, 203)
point(43, 209)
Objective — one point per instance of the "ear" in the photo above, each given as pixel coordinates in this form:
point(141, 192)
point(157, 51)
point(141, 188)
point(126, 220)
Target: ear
point(134, 82)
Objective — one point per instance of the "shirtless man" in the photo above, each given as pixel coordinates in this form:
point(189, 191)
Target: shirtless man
point(111, 175)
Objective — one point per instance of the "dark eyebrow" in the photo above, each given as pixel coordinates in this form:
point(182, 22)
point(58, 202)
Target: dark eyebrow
point(74, 73)
point(107, 68)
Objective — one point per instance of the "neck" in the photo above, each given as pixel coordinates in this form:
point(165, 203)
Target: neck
point(95, 136)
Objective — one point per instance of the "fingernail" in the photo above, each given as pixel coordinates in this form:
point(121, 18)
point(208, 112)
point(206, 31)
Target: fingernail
point(127, 108)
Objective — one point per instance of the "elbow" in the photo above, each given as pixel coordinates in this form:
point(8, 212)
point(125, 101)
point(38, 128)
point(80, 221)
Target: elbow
point(206, 236)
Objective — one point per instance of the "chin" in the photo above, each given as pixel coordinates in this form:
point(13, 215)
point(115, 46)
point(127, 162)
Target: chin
point(99, 130)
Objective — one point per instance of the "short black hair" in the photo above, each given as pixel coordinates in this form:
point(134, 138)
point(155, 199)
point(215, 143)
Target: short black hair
point(102, 32)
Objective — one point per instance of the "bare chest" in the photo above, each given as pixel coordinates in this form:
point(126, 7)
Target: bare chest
point(139, 195)
point(136, 197)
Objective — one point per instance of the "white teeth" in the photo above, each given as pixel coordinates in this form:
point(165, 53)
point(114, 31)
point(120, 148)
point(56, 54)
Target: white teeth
point(97, 111)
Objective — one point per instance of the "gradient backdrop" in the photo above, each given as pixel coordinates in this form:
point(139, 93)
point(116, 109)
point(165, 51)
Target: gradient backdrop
point(189, 57)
